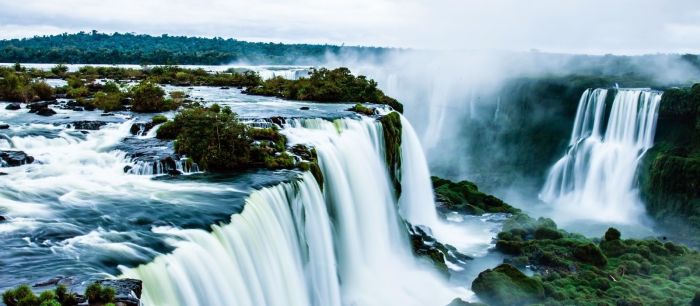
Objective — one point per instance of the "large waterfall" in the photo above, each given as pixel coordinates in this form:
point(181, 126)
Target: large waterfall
point(294, 244)
point(595, 179)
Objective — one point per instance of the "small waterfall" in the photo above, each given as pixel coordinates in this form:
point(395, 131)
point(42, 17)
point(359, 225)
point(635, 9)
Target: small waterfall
point(163, 167)
point(296, 245)
point(595, 179)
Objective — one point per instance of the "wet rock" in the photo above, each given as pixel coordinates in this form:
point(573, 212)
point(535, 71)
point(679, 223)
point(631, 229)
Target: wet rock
point(225, 87)
point(127, 291)
point(278, 120)
point(49, 282)
point(174, 172)
point(13, 106)
point(88, 125)
point(141, 128)
point(2, 219)
point(107, 115)
point(304, 108)
point(424, 245)
point(127, 168)
point(4, 126)
point(2, 173)
point(46, 112)
point(89, 107)
point(15, 158)
point(42, 108)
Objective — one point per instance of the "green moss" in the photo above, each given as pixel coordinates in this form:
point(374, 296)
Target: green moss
point(670, 172)
point(391, 125)
point(465, 197)
point(506, 285)
point(576, 270)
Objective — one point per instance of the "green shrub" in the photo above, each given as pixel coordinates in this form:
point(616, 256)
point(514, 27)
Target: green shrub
point(215, 141)
point(97, 294)
point(158, 119)
point(42, 90)
point(168, 131)
point(107, 101)
point(148, 97)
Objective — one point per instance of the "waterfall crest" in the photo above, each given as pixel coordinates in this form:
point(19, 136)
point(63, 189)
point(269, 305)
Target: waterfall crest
point(595, 179)
point(294, 244)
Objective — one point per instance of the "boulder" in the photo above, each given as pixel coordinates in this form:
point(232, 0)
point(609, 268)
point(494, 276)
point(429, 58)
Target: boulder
point(506, 285)
point(13, 106)
point(88, 125)
point(4, 126)
point(304, 108)
point(42, 108)
point(15, 158)
point(2, 218)
point(46, 112)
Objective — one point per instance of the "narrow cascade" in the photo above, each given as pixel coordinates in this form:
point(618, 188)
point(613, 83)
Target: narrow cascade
point(294, 244)
point(417, 201)
point(595, 179)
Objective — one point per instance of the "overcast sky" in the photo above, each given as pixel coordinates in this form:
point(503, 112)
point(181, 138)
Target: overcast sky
point(572, 26)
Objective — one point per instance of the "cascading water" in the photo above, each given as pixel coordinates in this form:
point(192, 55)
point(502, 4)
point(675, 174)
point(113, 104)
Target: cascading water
point(596, 177)
point(417, 198)
point(294, 245)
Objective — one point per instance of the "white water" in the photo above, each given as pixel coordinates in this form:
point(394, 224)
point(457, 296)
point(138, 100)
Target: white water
point(595, 179)
point(293, 245)
point(417, 200)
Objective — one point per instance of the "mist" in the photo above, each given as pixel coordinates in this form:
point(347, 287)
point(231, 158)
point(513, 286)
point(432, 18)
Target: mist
point(502, 119)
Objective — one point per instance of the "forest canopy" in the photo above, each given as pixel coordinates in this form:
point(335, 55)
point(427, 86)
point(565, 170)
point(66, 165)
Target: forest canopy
point(128, 48)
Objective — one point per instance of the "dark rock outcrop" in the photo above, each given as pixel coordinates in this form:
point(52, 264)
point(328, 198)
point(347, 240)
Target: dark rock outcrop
point(13, 106)
point(88, 125)
point(426, 246)
point(15, 158)
point(141, 128)
point(2, 218)
point(4, 126)
point(42, 108)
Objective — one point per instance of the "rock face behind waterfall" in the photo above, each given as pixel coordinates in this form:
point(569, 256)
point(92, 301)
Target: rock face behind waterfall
point(670, 172)
point(15, 158)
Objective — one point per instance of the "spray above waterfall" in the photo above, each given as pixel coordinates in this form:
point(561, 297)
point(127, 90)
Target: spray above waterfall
point(595, 179)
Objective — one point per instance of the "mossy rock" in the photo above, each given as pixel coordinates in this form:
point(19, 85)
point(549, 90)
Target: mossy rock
point(506, 285)
point(391, 126)
point(591, 254)
point(465, 197)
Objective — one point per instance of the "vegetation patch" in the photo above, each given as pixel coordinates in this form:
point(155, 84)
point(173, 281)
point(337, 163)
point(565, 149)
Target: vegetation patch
point(465, 197)
point(575, 270)
point(391, 125)
point(670, 172)
point(329, 86)
point(95, 294)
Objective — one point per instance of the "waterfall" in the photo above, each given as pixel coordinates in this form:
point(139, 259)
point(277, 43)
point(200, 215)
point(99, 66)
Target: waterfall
point(294, 244)
point(595, 179)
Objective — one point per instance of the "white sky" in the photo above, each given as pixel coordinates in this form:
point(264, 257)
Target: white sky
point(572, 26)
